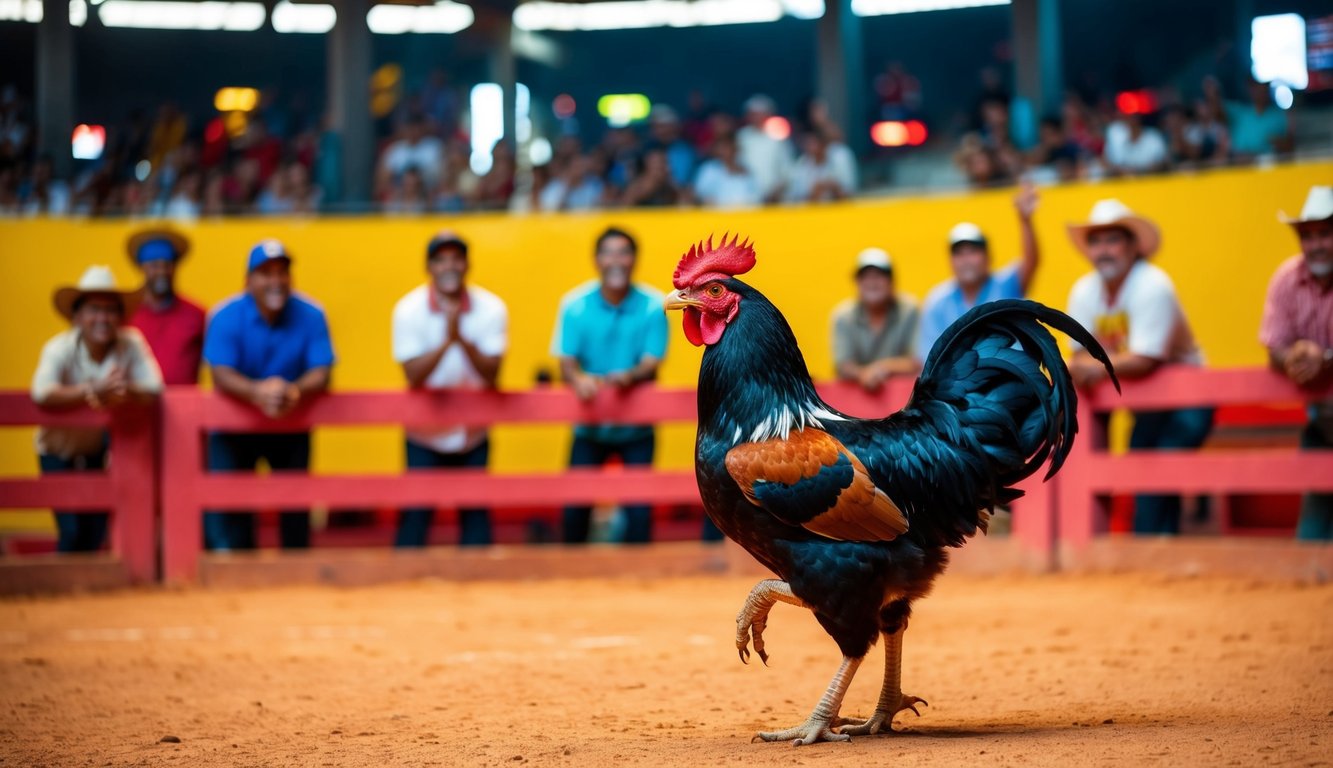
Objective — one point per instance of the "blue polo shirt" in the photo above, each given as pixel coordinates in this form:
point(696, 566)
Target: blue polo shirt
point(605, 338)
point(945, 304)
point(238, 338)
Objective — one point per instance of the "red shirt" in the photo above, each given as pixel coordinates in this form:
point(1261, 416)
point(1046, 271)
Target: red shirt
point(1298, 307)
point(176, 336)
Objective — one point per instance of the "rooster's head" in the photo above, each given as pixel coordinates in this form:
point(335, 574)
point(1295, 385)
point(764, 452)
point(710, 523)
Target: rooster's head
point(701, 287)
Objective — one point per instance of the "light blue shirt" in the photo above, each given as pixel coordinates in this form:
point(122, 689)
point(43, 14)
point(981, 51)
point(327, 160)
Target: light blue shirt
point(606, 338)
point(1252, 133)
point(945, 304)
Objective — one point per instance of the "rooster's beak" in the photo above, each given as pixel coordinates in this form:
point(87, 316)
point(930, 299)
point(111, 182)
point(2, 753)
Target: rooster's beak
point(678, 300)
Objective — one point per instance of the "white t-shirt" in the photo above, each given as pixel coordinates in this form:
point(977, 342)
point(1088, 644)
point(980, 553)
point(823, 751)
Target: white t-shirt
point(1144, 319)
point(1145, 154)
point(718, 187)
point(839, 166)
point(419, 327)
point(427, 156)
point(767, 158)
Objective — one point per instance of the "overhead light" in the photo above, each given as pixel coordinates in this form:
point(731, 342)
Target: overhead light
point(312, 18)
point(891, 7)
point(88, 141)
point(30, 11)
point(236, 99)
point(897, 133)
point(443, 18)
point(621, 109)
point(170, 14)
point(563, 106)
point(777, 127)
point(1277, 50)
point(643, 14)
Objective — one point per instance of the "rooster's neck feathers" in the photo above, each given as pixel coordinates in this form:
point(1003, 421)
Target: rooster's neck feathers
point(754, 384)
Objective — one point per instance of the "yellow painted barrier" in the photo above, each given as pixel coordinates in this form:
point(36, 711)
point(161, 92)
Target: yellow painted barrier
point(1221, 241)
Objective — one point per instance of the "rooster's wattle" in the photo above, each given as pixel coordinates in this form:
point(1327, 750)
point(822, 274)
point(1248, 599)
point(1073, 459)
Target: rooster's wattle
point(855, 516)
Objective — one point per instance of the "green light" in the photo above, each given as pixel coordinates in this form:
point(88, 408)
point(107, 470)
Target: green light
point(621, 109)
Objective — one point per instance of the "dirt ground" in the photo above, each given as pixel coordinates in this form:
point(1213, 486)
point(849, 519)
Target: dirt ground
point(1033, 671)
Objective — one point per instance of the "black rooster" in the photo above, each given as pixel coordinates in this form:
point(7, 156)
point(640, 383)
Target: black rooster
point(856, 516)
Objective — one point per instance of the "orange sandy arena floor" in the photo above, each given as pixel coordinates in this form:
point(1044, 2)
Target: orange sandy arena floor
point(1109, 670)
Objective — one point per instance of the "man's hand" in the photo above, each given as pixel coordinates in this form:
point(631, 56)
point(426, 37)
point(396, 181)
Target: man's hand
point(114, 389)
point(1303, 361)
point(1087, 373)
point(872, 376)
point(620, 379)
point(453, 313)
point(1025, 202)
point(585, 387)
point(274, 396)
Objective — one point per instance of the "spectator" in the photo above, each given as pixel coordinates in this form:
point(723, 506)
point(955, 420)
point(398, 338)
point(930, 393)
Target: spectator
point(768, 159)
point(458, 186)
point(610, 333)
point(874, 334)
point(408, 195)
point(172, 325)
point(167, 133)
point(496, 187)
point(578, 188)
point(723, 182)
point(899, 93)
point(1297, 329)
point(973, 282)
point(448, 335)
point(275, 200)
point(184, 202)
point(1081, 126)
point(985, 166)
point(305, 197)
point(268, 348)
point(44, 194)
point(1133, 149)
point(653, 185)
point(1131, 307)
point(1208, 133)
point(1056, 155)
point(414, 149)
point(97, 363)
point(1259, 127)
point(825, 171)
point(664, 125)
point(440, 102)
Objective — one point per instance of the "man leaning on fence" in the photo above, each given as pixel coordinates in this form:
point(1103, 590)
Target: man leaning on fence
point(269, 348)
point(610, 332)
point(448, 335)
point(1297, 328)
point(1131, 306)
point(98, 363)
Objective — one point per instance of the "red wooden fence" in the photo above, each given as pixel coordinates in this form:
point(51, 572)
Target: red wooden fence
point(128, 488)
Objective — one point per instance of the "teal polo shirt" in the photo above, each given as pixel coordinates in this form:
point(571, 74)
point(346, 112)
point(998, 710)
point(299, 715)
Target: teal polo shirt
point(606, 338)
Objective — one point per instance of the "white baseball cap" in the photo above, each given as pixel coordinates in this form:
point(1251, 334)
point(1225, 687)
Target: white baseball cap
point(966, 232)
point(876, 258)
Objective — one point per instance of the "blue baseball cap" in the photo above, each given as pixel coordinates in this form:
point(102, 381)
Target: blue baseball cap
point(265, 251)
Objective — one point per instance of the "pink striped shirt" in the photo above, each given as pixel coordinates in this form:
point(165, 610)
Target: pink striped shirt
point(1297, 307)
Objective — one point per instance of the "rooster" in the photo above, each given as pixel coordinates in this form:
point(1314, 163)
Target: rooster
point(856, 516)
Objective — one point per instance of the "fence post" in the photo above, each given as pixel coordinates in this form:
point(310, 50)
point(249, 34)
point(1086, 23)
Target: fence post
point(1080, 514)
point(132, 471)
point(182, 464)
point(1033, 521)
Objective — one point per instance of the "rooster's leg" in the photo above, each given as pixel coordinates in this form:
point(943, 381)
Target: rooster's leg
point(753, 618)
point(892, 700)
point(820, 725)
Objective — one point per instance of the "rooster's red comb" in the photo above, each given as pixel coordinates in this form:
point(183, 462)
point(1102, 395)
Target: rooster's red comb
point(704, 262)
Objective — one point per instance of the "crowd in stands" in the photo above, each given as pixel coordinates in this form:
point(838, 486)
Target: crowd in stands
point(280, 160)
point(1136, 133)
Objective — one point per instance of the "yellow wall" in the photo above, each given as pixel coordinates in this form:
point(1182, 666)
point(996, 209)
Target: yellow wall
point(1221, 242)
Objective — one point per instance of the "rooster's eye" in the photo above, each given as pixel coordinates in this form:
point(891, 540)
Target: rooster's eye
point(715, 291)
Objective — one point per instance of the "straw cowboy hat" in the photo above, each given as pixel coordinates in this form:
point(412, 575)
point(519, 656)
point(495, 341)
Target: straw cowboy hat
point(96, 280)
point(1113, 213)
point(1318, 207)
point(178, 242)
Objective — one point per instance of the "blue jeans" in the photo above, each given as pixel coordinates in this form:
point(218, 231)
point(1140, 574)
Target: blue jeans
point(1316, 521)
point(77, 531)
point(1183, 429)
point(230, 452)
point(586, 452)
point(474, 525)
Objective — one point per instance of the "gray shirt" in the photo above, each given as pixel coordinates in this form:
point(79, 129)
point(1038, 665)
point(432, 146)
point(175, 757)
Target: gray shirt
point(854, 340)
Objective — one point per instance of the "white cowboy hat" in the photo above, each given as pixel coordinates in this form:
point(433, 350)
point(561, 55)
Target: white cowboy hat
point(1113, 213)
point(95, 280)
point(1318, 207)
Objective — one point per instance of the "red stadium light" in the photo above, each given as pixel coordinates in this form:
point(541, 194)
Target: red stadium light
point(88, 141)
point(897, 133)
point(1141, 102)
point(777, 127)
point(563, 106)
